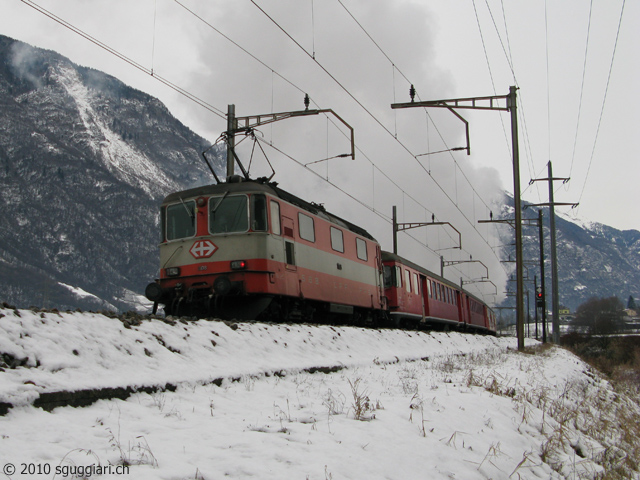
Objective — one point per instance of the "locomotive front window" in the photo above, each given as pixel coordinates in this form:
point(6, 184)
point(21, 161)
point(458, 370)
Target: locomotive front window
point(181, 220)
point(258, 213)
point(275, 217)
point(228, 214)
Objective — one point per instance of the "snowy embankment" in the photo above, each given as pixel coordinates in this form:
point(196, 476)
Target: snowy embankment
point(82, 351)
point(405, 405)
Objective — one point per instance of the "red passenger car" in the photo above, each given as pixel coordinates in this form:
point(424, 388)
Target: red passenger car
point(417, 296)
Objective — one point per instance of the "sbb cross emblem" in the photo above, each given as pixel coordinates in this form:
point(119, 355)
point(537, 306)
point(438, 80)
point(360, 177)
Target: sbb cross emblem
point(202, 248)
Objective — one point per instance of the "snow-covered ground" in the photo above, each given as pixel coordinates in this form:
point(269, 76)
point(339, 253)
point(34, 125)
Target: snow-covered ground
point(403, 405)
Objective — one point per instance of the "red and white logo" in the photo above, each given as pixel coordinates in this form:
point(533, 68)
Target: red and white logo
point(203, 248)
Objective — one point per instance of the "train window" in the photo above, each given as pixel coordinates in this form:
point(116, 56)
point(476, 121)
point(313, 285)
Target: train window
point(361, 249)
point(416, 284)
point(407, 280)
point(181, 220)
point(388, 273)
point(337, 240)
point(163, 224)
point(275, 217)
point(306, 228)
point(398, 277)
point(289, 253)
point(258, 213)
point(439, 289)
point(228, 214)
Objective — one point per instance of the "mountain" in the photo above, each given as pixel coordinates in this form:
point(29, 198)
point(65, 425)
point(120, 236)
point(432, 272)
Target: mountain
point(84, 162)
point(594, 260)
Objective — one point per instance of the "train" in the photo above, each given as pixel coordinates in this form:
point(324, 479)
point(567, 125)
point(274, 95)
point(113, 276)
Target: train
point(247, 249)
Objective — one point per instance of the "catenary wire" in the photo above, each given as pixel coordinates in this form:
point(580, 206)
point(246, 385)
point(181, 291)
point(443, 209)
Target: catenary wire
point(604, 100)
point(584, 69)
point(366, 110)
point(178, 89)
point(128, 60)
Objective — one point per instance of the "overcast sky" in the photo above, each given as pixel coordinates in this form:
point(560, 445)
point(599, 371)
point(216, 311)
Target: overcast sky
point(367, 52)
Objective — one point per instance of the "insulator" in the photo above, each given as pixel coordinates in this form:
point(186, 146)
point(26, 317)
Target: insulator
point(306, 101)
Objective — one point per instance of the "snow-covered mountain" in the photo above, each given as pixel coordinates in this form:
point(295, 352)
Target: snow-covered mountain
point(84, 163)
point(594, 260)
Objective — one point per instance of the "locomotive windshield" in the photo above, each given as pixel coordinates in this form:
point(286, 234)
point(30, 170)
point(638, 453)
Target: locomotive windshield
point(228, 214)
point(181, 220)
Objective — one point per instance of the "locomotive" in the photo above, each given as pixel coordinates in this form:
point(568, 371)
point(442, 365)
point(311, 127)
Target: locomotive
point(247, 249)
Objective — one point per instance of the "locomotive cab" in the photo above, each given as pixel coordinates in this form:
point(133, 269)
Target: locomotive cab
point(230, 250)
point(214, 242)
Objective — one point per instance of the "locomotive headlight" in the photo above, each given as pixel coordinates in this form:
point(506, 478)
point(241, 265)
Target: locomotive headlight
point(238, 265)
point(172, 271)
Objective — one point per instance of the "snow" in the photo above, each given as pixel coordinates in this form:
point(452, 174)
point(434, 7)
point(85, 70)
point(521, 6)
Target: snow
point(77, 291)
point(128, 163)
point(430, 405)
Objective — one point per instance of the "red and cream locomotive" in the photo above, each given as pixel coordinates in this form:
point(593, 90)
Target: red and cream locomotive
point(247, 249)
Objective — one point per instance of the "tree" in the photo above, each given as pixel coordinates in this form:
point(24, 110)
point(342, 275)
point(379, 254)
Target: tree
point(631, 303)
point(599, 316)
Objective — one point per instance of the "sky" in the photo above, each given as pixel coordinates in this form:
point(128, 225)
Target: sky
point(357, 57)
point(403, 405)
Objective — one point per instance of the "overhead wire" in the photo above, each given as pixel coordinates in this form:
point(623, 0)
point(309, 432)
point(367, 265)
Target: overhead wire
point(604, 100)
point(218, 112)
point(293, 85)
point(128, 60)
point(359, 103)
point(395, 68)
point(522, 115)
point(285, 32)
point(584, 70)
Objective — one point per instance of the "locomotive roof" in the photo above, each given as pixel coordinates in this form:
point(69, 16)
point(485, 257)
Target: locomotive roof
point(388, 256)
point(253, 186)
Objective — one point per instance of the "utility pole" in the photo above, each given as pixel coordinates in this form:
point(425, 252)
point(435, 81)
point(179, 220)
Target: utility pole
point(544, 307)
point(231, 139)
point(539, 223)
point(478, 103)
point(555, 300)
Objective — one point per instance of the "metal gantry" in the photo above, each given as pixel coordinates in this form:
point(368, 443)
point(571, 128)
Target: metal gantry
point(500, 103)
point(246, 124)
point(399, 227)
